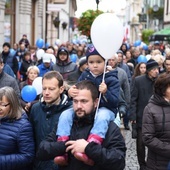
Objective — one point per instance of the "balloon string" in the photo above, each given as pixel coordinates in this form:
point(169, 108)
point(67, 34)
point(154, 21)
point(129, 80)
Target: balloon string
point(100, 92)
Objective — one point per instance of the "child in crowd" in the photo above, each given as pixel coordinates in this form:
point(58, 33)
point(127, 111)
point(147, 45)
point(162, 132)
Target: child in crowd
point(108, 105)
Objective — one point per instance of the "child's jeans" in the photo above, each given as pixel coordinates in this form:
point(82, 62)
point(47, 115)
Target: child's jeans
point(100, 127)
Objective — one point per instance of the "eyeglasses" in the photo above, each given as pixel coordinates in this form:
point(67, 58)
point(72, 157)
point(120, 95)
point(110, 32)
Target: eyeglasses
point(4, 105)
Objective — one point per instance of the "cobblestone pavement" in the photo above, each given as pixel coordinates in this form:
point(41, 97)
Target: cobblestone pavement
point(131, 157)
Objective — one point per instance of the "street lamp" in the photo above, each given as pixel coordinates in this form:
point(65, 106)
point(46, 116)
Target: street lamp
point(97, 2)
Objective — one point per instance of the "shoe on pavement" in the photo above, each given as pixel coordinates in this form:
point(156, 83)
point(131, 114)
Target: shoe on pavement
point(83, 157)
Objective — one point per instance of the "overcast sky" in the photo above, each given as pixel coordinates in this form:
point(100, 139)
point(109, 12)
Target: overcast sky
point(104, 5)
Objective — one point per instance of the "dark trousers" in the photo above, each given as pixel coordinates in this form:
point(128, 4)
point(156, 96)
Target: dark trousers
point(126, 118)
point(140, 147)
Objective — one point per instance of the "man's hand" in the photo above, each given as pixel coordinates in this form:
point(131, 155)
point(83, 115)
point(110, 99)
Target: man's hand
point(76, 146)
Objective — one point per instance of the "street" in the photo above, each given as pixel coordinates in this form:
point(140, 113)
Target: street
point(131, 156)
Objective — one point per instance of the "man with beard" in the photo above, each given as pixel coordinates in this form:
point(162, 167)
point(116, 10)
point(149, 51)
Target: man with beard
point(44, 114)
point(109, 155)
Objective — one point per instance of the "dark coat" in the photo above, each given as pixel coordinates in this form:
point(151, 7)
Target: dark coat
point(73, 77)
point(65, 68)
point(24, 66)
point(141, 91)
point(156, 133)
point(110, 99)
point(17, 149)
point(7, 80)
point(10, 59)
point(44, 119)
point(108, 156)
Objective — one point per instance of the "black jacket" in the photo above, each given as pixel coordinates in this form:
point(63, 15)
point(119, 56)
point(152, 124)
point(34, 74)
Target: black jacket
point(156, 133)
point(142, 90)
point(108, 156)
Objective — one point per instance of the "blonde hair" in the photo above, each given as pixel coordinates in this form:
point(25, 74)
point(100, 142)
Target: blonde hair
point(33, 68)
point(158, 58)
point(155, 52)
point(15, 106)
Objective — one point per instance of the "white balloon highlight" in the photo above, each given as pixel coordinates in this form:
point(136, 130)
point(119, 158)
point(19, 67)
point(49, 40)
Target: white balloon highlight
point(107, 34)
point(37, 84)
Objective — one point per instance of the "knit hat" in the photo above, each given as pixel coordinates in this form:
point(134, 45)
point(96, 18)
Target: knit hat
point(63, 50)
point(91, 50)
point(82, 61)
point(151, 64)
point(7, 44)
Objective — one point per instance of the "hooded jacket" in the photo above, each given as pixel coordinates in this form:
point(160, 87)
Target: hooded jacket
point(64, 67)
point(156, 133)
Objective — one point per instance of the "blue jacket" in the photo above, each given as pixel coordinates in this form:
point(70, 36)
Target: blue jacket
point(110, 99)
point(44, 69)
point(16, 144)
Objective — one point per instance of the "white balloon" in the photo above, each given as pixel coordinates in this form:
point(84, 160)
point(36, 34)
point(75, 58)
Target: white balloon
point(148, 57)
point(37, 84)
point(53, 58)
point(58, 42)
point(40, 53)
point(107, 34)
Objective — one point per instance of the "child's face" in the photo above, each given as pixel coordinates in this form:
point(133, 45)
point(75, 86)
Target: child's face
point(96, 64)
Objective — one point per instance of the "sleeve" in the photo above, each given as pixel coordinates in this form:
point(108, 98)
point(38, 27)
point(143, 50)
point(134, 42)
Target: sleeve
point(26, 150)
point(111, 98)
point(15, 86)
point(126, 89)
point(22, 70)
point(50, 148)
point(133, 103)
point(149, 136)
point(15, 65)
point(112, 155)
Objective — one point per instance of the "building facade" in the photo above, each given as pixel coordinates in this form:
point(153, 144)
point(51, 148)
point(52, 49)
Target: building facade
point(167, 14)
point(33, 18)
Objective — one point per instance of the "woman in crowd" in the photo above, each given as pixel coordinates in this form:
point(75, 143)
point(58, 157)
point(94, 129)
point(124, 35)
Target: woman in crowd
point(26, 62)
point(16, 137)
point(140, 69)
point(32, 73)
point(156, 125)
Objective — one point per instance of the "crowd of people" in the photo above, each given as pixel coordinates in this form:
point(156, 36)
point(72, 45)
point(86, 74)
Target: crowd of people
point(75, 122)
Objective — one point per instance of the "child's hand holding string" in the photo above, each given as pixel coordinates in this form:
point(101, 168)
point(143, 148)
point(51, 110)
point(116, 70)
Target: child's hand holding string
point(102, 88)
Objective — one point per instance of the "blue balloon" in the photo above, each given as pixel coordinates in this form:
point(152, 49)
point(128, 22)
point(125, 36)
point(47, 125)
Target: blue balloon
point(40, 43)
point(137, 43)
point(145, 47)
point(47, 45)
point(28, 93)
point(142, 59)
point(73, 58)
